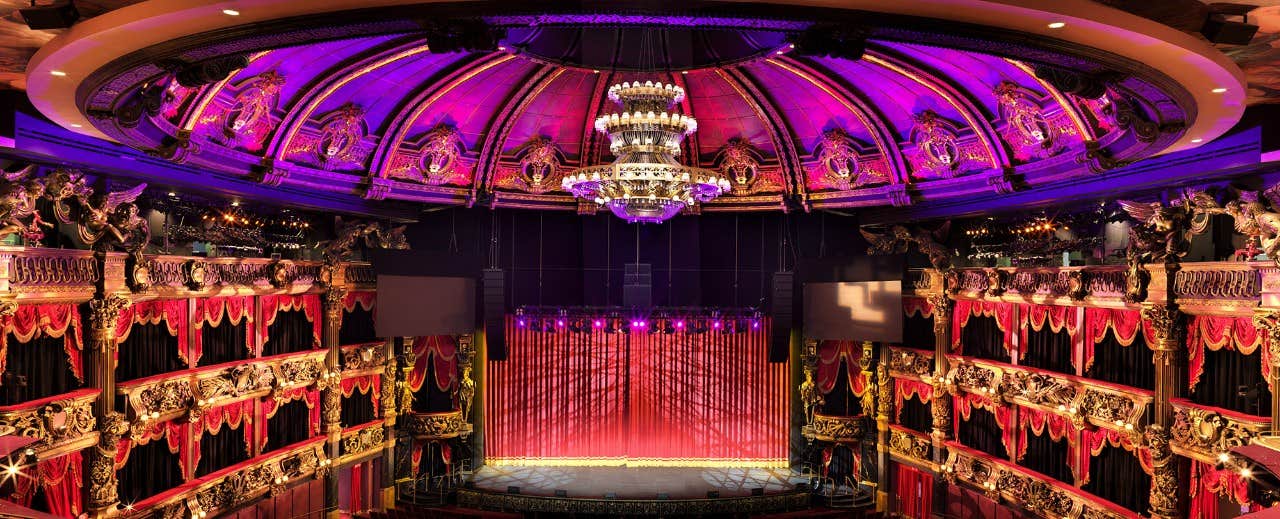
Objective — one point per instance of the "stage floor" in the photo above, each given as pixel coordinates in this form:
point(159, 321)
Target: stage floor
point(635, 482)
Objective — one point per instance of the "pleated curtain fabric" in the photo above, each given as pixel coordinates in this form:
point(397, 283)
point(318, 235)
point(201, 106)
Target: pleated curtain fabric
point(224, 343)
point(1233, 380)
point(982, 432)
point(148, 350)
point(36, 369)
point(1049, 350)
point(1048, 456)
point(290, 424)
point(1131, 365)
point(914, 491)
point(1116, 475)
point(151, 469)
point(291, 332)
point(981, 337)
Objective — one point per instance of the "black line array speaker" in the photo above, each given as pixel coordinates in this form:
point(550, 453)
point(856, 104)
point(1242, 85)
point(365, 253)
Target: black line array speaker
point(495, 313)
point(637, 285)
point(783, 312)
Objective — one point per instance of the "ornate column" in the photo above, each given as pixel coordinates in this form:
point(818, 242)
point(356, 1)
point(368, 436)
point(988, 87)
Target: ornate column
point(387, 396)
point(880, 400)
point(331, 395)
point(1168, 482)
point(1268, 320)
point(101, 498)
point(941, 403)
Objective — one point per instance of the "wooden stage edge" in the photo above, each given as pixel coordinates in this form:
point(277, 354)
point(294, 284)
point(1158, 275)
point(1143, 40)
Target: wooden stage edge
point(768, 503)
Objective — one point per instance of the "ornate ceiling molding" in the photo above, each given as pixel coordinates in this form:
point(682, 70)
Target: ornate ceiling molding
point(1072, 110)
point(779, 132)
point(505, 118)
point(589, 153)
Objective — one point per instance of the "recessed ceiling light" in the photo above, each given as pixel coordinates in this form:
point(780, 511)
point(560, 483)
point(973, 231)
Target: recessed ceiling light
point(791, 45)
point(231, 12)
point(502, 48)
point(1197, 139)
point(1219, 90)
point(235, 204)
point(58, 73)
point(75, 125)
point(779, 53)
point(1057, 25)
point(171, 193)
point(684, 71)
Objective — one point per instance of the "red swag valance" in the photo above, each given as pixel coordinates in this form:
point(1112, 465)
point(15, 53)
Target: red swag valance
point(212, 310)
point(270, 406)
point(175, 433)
point(61, 480)
point(1002, 312)
point(364, 384)
point(364, 298)
point(904, 389)
point(964, 404)
point(917, 306)
point(273, 305)
point(1094, 441)
point(1215, 333)
point(1037, 422)
point(442, 351)
point(1207, 484)
point(234, 416)
point(1057, 318)
point(834, 354)
point(52, 320)
point(171, 312)
point(1125, 324)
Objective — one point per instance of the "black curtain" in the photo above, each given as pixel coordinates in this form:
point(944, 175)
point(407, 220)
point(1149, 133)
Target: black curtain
point(982, 432)
point(151, 469)
point(1117, 476)
point(290, 333)
point(917, 332)
point(36, 369)
point(916, 415)
point(358, 408)
point(1131, 365)
point(1047, 349)
point(1047, 456)
point(357, 327)
point(149, 350)
point(841, 465)
point(291, 424)
point(841, 401)
point(222, 450)
point(1233, 381)
point(224, 343)
point(431, 399)
point(982, 338)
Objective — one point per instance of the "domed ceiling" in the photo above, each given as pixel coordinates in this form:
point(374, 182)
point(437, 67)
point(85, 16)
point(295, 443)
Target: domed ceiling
point(807, 107)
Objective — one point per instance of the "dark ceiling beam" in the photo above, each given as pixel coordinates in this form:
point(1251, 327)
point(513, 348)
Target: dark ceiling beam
point(500, 126)
point(886, 139)
point(968, 106)
point(781, 135)
point(326, 83)
point(413, 106)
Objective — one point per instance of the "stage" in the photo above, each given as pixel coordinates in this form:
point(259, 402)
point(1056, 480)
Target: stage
point(634, 490)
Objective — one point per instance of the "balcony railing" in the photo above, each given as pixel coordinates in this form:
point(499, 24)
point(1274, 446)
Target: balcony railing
point(910, 445)
point(839, 429)
point(910, 363)
point(1004, 481)
point(61, 423)
point(363, 359)
point(436, 426)
point(1205, 433)
point(362, 440)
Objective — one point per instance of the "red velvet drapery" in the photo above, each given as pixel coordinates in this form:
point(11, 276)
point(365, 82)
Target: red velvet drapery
point(1036, 317)
point(171, 312)
point(171, 431)
point(441, 350)
point(1124, 323)
point(53, 320)
point(964, 309)
point(834, 354)
point(593, 397)
point(273, 305)
point(61, 480)
point(964, 404)
point(904, 388)
point(363, 298)
point(211, 311)
point(1094, 441)
point(1208, 483)
point(1037, 422)
point(915, 492)
point(916, 306)
point(270, 406)
point(234, 416)
point(1215, 333)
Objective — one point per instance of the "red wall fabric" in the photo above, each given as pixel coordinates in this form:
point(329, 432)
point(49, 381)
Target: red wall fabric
point(915, 492)
point(637, 398)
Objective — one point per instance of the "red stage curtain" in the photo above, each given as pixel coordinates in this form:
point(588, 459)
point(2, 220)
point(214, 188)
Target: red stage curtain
point(211, 311)
point(1002, 312)
point(53, 320)
point(1125, 324)
point(915, 492)
point(272, 305)
point(916, 306)
point(575, 392)
point(442, 351)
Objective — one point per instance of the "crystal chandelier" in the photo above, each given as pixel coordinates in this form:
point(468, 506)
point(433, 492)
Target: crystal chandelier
point(645, 183)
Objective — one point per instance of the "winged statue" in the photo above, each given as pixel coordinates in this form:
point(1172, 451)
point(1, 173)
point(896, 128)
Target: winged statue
point(897, 239)
point(113, 215)
point(374, 235)
point(18, 197)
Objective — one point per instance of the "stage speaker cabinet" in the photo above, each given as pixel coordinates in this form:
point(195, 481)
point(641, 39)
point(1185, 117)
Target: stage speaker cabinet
point(783, 310)
point(637, 285)
point(495, 313)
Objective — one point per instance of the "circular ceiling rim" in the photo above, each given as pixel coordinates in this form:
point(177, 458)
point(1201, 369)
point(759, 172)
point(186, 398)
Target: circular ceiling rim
point(95, 43)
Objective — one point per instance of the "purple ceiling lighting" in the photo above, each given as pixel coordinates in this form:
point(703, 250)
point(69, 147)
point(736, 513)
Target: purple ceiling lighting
point(931, 113)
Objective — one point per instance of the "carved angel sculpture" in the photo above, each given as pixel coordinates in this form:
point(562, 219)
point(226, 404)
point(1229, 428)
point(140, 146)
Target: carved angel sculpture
point(375, 235)
point(1262, 226)
point(18, 198)
point(899, 238)
point(113, 215)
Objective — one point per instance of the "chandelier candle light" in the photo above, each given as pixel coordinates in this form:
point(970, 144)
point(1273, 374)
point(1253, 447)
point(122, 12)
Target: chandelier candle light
point(645, 183)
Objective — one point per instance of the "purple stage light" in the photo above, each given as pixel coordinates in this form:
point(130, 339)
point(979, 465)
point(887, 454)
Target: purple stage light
point(755, 324)
point(520, 323)
point(716, 325)
point(598, 323)
point(560, 323)
point(680, 324)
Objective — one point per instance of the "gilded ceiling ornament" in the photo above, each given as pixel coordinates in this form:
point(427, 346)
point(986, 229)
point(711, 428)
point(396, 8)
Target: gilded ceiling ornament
point(341, 136)
point(539, 163)
point(249, 118)
point(1029, 132)
point(937, 146)
point(439, 155)
point(739, 161)
point(841, 167)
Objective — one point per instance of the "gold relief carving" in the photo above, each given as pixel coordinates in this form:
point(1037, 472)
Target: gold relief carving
point(231, 383)
point(1077, 288)
point(910, 446)
point(387, 390)
point(172, 511)
point(1040, 389)
point(884, 392)
point(951, 281)
point(297, 373)
point(1269, 322)
point(996, 281)
point(1164, 480)
point(1165, 325)
point(1109, 408)
point(910, 363)
point(166, 396)
point(102, 458)
point(374, 235)
point(973, 376)
point(437, 425)
point(364, 440)
point(841, 429)
point(194, 272)
point(466, 390)
point(366, 357)
point(1208, 432)
point(278, 274)
point(941, 409)
point(1136, 277)
point(104, 313)
point(331, 407)
point(235, 488)
point(53, 424)
point(810, 397)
